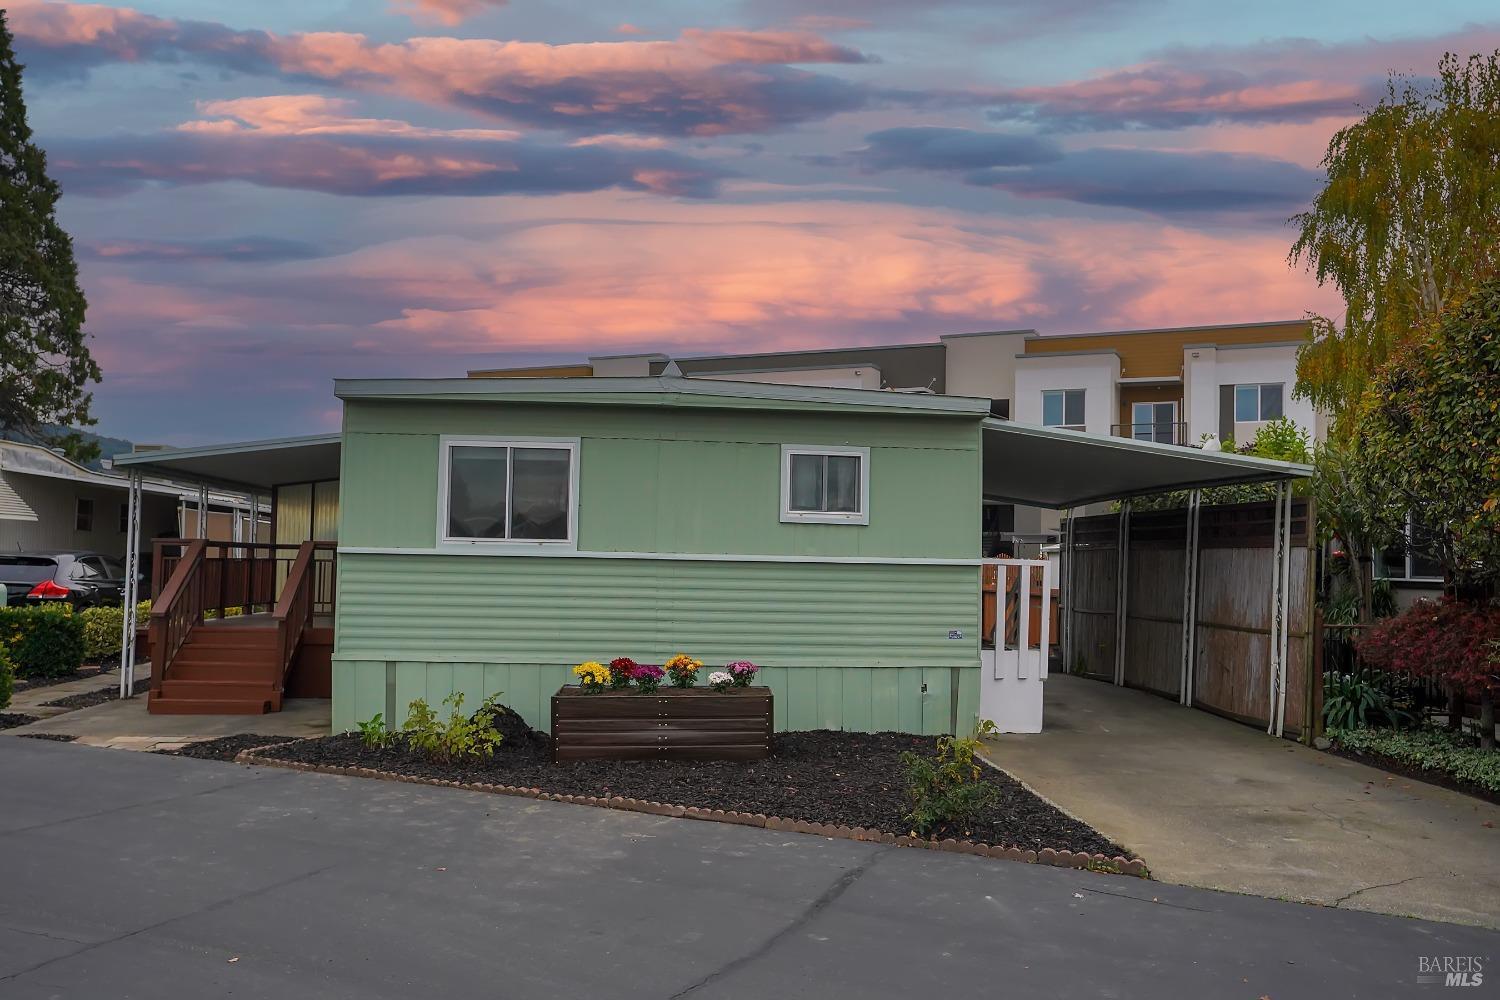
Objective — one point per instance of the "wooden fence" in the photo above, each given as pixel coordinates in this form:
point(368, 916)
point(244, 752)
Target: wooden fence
point(1227, 614)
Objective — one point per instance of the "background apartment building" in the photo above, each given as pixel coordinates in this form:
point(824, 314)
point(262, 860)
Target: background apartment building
point(1172, 386)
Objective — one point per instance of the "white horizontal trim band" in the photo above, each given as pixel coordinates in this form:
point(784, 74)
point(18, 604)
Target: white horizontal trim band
point(558, 553)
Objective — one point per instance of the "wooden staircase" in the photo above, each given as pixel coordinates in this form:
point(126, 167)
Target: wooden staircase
point(204, 663)
point(222, 669)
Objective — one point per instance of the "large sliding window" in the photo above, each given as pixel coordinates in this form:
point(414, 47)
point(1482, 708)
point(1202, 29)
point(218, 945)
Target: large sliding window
point(825, 485)
point(502, 490)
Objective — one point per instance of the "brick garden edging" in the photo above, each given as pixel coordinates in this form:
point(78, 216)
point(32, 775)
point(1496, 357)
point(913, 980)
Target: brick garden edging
point(1046, 856)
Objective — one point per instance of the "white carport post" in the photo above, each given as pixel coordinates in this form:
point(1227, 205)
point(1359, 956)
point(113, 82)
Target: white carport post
point(1189, 599)
point(131, 594)
point(1281, 586)
point(203, 510)
point(1066, 595)
point(1122, 584)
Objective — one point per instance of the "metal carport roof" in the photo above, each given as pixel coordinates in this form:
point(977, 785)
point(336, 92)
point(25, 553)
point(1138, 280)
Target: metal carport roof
point(247, 465)
point(1053, 467)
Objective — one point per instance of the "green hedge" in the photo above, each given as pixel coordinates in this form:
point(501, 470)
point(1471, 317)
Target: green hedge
point(1433, 749)
point(43, 641)
point(7, 677)
point(101, 629)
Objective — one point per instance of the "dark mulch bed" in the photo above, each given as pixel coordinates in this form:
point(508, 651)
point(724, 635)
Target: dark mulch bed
point(33, 683)
point(1440, 778)
point(10, 720)
point(225, 747)
point(98, 696)
point(852, 779)
point(54, 737)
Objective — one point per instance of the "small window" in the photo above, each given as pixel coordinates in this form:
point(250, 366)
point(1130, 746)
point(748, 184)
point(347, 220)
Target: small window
point(85, 569)
point(1413, 555)
point(1254, 403)
point(83, 515)
point(1063, 408)
point(825, 485)
point(508, 491)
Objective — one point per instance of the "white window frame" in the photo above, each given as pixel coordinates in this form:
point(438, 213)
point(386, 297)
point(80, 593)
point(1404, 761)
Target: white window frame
point(1259, 402)
point(1136, 425)
point(1064, 393)
point(1408, 557)
point(446, 444)
point(789, 516)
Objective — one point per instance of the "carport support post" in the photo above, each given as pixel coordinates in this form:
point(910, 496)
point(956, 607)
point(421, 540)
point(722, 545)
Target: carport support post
point(1066, 585)
point(1281, 545)
point(1189, 599)
point(203, 510)
point(131, 592)
point(1122, 583)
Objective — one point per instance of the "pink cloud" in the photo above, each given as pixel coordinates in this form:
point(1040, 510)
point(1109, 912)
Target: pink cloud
point(447, 12)
point(1290, 80)
point(315, 114)
point(701, 83)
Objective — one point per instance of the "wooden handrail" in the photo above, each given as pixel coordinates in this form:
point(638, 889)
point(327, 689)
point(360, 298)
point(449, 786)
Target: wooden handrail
point(294, 610)
point(176, 610)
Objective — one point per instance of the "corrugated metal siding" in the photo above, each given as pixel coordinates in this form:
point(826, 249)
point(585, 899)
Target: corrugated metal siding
point(12, 507)
point(546, 610)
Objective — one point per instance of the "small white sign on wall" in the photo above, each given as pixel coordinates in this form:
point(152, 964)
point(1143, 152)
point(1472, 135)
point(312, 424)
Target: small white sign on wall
point(955, 633)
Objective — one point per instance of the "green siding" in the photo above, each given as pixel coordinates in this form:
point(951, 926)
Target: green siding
point(536, 609)
point(667, 480)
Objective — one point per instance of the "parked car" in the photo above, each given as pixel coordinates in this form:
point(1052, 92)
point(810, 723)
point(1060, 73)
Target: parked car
point(84, 579)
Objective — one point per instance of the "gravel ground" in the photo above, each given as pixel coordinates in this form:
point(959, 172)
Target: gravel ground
point(98, 696)
point(33, 683)
point(854, 779)
point(225, 747)
point(10, 720)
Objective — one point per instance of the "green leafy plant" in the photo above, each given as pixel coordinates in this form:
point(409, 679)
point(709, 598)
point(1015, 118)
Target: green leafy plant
point(7, 677)
point(1428, 748)
point(43, 640)
point(1361, 699)
point(102, 628)
point(948, 790)
point(374, 734)
point(459, 737)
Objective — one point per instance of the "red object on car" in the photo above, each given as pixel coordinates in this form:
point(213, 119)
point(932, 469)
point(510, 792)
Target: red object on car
point(47, 590)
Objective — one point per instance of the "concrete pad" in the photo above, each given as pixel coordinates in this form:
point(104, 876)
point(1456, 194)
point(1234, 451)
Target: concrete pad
point(1212, 803)
point(126, 725)
point(200, 878)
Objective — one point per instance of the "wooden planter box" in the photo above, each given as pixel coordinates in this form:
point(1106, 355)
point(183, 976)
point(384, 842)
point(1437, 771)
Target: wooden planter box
point(669, 724)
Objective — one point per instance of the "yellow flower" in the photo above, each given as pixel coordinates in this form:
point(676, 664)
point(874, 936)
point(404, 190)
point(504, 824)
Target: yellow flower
point(591, 672)
point(683, 662)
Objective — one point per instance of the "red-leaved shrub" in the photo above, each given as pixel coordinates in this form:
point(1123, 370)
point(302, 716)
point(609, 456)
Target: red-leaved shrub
point(1447, 640)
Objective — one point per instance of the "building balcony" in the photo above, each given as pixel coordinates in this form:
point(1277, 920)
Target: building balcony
point(1160, 432)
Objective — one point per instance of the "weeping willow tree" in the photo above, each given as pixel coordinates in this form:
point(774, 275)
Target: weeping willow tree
point(1408, 223)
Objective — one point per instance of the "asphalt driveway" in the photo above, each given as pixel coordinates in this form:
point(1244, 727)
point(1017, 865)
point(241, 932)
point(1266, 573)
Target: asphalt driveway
point(1212, 803)
point(135, 875)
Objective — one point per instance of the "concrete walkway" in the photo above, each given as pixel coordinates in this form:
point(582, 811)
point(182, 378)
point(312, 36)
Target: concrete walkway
point(138, 875)
point(127, 725)
point(32, 701)
point(1208, 802)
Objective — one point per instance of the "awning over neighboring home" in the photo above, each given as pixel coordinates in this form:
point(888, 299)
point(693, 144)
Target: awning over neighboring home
point(1052, 467)
point(248, 465)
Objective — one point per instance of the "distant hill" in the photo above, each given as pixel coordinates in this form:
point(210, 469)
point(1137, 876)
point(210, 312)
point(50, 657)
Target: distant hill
point(109, 447)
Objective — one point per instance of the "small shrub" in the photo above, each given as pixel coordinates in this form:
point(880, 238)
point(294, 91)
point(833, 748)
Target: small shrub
point(43, 640)
point(743, 672)
point(1362, 699)
point(7, 678)
point(948, 790)
point(460, 738)
point(374, 734)
point(102, 627)
point(721, 681)
point(1428, 748)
